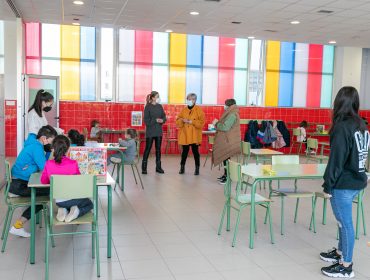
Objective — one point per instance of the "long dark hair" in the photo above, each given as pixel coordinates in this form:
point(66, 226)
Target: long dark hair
point(60, 145)
point(132, 132)
point(346, 106)
point(150, 96)
point(76, 138)
point(94, 123)
point(41, 95)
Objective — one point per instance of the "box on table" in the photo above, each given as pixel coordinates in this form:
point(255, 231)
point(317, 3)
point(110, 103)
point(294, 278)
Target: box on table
point(91, 160)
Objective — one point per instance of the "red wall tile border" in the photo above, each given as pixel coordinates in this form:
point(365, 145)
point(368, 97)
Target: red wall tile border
point(10, 107)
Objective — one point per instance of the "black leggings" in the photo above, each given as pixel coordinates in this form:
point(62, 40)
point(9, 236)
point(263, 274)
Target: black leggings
point(20, 187)
point(185, 152)
point(148, 147)
point(225, 163)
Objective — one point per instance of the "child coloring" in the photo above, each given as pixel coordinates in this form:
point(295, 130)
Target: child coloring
point(130, 152)
point(69, 210)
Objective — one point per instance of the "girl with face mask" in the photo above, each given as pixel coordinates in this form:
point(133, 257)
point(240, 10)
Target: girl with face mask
point(154, 118)
point(36, 114)
point(190, 123)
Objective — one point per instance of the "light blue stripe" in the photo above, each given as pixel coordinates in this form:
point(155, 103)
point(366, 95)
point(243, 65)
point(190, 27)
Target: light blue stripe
point(240, 87)
point(87, 69)
point(87, 43)
point(326, 91)
point(286, 81)
point(194, 64)
point(328, 59)
point(241, 53)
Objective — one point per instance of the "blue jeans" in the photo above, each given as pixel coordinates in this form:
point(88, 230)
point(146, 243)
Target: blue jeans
point(85, 205)
point(341, 203)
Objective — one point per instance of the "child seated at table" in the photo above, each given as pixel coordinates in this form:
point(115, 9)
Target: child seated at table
point(302, 127)
point(95, 129)
point(130, 152)
point(30, 160)
point(68, 210)
point(77, 139)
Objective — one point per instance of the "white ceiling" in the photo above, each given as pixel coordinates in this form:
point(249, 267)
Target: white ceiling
point(349, 24)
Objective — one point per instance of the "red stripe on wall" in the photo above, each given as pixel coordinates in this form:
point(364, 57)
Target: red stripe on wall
point(314, 75)
point(33, 48)
point(143, 64)
point(226, 69)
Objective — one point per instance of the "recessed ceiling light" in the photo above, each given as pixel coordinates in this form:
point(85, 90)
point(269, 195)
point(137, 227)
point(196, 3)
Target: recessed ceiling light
point(251, 37)
point(78, 2)
point(332, 42)
point(194, 13)
point(295, 22)
point(76, 23)
point(169, 30)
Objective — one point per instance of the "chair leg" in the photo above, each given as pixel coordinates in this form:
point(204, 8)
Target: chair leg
point(363, 217)
point(5, 223)
point(222, 219)
point(205, 161)
point(138, 174)
point(45, 211)
point(358, 217)
point(93, 241)
point(270, 223)
point(7, 229)
point(270, 193)
point(133, 172)
point(255, 223)
point(38, 218)
point(296, 210)
point(228, 209)
point(313, 214)
point(47, 253)
point(237, 227)
point(324, 206)
point(282, 216)
point(97, 252)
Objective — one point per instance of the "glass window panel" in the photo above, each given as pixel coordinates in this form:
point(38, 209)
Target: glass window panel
point(88, 43)
point(106, 63)
point(126, 82)
point(256, 54)
point(50, 67)
point(87, 81)
point(126, 45)
point(50, 41)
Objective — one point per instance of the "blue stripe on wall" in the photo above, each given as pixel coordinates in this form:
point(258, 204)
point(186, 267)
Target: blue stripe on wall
point(194, 63)
point(286, 81)
point(87, 65)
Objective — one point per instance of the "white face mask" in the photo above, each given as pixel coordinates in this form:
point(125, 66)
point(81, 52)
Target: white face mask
point(189, 103)
point(226, 107)
point(158, 100)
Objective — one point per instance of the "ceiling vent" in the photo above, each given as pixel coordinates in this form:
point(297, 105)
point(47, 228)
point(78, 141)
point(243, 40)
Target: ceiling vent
point(14, 8)
point(236, 22)
point(212, 0)
point(179, 23)
point(325, 12)
point(270, 30)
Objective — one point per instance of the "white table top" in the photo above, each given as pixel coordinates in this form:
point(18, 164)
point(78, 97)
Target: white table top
point(265, 152)
point(101, 181)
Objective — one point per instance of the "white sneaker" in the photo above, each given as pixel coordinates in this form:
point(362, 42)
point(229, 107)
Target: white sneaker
point(12, 195)
point(115, 160)
point(19, 232)
point(62, 213)
point(73, 214)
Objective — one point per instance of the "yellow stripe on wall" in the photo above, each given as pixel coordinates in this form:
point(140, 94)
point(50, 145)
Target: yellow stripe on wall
point(70, 62)
point(272, 74)
point(177, 77)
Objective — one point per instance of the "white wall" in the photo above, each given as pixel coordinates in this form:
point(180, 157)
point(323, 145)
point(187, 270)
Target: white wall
point(347, 68)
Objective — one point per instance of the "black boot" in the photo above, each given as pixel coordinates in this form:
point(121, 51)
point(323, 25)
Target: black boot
point(144, 166)
point(196, 170)
point(158, 168)
point(182, 169)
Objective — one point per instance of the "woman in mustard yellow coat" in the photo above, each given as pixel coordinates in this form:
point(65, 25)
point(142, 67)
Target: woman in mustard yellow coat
point(190, 123)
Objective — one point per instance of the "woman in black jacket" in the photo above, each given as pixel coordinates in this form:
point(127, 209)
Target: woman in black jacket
point(345, 177)
point(154, 118)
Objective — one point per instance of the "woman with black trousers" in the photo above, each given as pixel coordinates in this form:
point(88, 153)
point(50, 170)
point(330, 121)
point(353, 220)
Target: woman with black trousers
point(154, 118)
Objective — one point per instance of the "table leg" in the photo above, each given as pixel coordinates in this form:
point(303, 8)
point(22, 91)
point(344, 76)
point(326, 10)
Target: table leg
point(109, 230)
point(252, 215)
point(33, 226)
point(322, 149)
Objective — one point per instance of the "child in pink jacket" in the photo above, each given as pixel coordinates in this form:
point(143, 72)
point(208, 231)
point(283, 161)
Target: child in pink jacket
point(71, 209)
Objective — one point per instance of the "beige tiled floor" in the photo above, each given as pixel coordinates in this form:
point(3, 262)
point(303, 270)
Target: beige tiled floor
point(168, 231)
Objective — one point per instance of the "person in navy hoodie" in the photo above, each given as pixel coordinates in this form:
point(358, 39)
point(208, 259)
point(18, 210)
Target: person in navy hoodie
point(30, 160)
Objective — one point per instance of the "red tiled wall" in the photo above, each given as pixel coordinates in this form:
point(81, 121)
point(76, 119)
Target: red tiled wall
point(79, 115)
point(10, 128)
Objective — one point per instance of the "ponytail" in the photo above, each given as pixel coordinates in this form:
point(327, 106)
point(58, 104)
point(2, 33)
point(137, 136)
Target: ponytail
point(150, 96)
point(60, 145)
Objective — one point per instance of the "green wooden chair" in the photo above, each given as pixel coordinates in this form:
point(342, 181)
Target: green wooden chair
point(73, 187)
point(359, 210)
point(14, 203)
point(311, 152)
point(288, 193)
point(237, 200)
point(296, 133)
point(246, 152)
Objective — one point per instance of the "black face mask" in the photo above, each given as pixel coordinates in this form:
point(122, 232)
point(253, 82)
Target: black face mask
point(47, 109)
point(47, 148)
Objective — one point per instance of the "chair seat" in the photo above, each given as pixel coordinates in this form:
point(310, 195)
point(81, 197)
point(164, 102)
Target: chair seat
point(23, 200)
point(321, 195)
point(88, 218)
point(319, 157)
point(246, 198)
point(293, 193)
